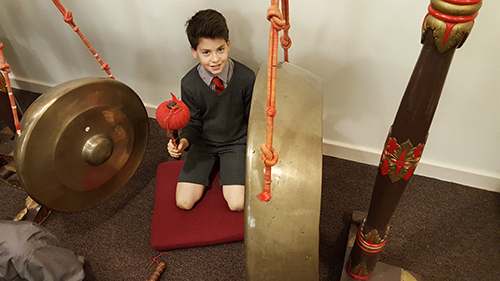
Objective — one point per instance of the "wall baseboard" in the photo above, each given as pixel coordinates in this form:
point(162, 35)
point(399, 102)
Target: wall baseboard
point(476, 179)
point(29, 85)
point(151, 110)
point(38, 87)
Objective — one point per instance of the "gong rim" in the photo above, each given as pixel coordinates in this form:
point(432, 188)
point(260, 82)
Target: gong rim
point(80, 143)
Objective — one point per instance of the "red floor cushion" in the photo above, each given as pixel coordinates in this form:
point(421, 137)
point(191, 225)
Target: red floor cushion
point(210, 222)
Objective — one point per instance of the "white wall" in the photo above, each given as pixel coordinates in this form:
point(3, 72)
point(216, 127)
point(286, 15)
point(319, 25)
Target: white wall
point(365, 52)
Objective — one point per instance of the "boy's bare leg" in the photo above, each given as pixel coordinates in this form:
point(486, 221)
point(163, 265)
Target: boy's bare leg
point(235, 197)
point(187, 194)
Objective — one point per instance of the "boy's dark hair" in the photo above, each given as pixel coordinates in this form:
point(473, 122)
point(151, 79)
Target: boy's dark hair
point(206, 24)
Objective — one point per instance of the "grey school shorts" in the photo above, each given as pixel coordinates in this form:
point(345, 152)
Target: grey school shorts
point(201, 159)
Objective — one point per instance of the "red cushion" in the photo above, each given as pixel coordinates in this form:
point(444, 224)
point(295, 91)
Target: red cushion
point(209, 222)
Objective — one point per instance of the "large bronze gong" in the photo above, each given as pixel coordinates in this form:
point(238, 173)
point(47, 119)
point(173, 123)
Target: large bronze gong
point(80, 142)
point(282, 235)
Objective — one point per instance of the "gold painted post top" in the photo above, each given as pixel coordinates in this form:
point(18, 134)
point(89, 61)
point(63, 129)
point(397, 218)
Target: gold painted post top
point(451, 22)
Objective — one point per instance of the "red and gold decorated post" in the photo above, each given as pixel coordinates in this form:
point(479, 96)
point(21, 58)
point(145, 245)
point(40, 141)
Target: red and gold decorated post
point(446, 27)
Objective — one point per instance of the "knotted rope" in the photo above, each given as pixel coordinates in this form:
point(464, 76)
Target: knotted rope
point(5, 68)
point(269, 154)
point(68, 18)
point(286, 41)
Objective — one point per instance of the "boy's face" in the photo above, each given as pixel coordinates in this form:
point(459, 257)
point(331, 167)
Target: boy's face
point(212, 53)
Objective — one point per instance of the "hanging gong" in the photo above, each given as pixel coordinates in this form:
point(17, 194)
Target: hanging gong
point(80, 142)
point(282, 235)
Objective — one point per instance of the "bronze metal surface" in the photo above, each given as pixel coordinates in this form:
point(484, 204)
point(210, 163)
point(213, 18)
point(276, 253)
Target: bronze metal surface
point(282, 235)
point(80, 142)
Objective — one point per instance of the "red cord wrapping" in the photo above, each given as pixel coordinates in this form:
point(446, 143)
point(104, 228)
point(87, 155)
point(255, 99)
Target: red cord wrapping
point(68, 18)
point(5, 68)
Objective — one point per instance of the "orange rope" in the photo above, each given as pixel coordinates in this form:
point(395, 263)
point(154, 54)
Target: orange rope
point(269, 154)
point(6, 70)
point(156, 258)
point(68, 18)
point(286, 42)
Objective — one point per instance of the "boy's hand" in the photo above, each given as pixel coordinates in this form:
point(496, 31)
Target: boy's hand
point(177, 151)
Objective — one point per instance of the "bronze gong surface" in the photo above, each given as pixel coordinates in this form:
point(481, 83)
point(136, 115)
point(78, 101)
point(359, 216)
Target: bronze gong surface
point(80, 142)
point(282, 235)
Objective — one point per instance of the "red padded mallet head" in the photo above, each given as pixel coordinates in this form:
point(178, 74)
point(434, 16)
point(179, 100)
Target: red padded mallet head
point(172, 115)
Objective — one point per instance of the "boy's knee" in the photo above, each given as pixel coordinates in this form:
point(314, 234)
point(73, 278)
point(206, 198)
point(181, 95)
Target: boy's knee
point(184, 205)
point(187, 194)
point(235, 197)
point(236, 206)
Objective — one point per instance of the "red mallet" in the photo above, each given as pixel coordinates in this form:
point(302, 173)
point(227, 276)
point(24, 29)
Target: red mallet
point(172, 115)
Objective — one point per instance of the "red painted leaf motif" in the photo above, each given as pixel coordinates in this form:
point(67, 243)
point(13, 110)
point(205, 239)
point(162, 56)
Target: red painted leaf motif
point(399, 160)
point(385, 167)
point(417, 152)
point(393, 145)
point(409, 173)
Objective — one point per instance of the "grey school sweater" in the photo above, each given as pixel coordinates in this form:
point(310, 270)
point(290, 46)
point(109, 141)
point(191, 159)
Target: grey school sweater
point(217, 119)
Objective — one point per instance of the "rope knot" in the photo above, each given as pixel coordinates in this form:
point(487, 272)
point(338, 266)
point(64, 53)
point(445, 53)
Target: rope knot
point(269, 156)
point(105, 66)
point(286, 42)
point(275, 16)
point(5, 67)
point(68, 16)
point(270, 112)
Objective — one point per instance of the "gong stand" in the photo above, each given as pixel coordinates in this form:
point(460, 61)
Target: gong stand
point(5, 68)
point(7, 169)
point(445, 29)
point(6, 107)
point(11, 114)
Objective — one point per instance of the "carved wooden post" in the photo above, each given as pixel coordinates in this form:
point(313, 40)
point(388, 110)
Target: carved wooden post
point(445, 28)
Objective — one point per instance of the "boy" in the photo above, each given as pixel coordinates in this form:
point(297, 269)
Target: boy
point(218, 93)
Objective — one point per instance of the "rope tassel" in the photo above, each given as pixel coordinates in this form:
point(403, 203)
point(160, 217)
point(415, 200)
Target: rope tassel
point(160, 268)
point(157, 273)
